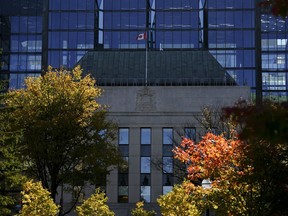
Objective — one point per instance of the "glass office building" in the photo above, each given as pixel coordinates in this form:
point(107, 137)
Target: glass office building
point(250, 44)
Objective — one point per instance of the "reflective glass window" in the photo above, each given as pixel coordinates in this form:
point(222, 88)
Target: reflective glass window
point(167, 150)
point(124, 149)
point(167, 189)
point(71, 40)
point(72, 4)
point(243, 77)
point(274, 81)
point(167, 165)
point(64, 58)
point(54, 4)
point(145, 136)
point(64, 4)
point(111, 5)
point(145, 193)
point(16, 80)
point(167, 179)
point(25, 62)
point(145, 165)
point(224, 4)
point(124, 168)
point(123, 136)
point(123, 194)
point(24, 24)
point(71, 20)
point(145, 150)
point(167, 136)
point(145, 179)
point(122, 179)
point(190, 133)
point(273, 61)
point(54, 58)
point(54, 20)
point(26, 43)
point(277, 43)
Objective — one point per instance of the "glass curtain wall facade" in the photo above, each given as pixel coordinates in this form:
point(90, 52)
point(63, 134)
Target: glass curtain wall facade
point(250, 44)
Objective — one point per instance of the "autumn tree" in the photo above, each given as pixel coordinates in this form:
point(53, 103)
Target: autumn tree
point(180, 201)
point(264, 132)
point(209, 119)
point(66, 137)
point(95, 205)
point(11, 168)
point(37, 201)
point(222, 161)
point(276, 7)
point(140, 211)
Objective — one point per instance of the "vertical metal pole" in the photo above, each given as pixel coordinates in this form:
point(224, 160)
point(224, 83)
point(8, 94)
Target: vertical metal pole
point(146, 62)
point(258, 57)
point(147, 41)
point(45, 20)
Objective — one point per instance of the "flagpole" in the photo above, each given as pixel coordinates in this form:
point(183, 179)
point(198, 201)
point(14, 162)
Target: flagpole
point(146, 62)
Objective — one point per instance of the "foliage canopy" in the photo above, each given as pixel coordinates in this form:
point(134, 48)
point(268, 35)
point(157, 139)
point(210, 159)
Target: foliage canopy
point(95, 205)
point(37, 201)
point(66, 137)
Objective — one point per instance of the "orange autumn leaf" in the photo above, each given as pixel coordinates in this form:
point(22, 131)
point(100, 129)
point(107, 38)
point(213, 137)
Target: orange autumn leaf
point(214, 157)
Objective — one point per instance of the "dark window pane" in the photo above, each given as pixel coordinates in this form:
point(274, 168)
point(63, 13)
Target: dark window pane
point(168, 180)
point(122, 179)
point(145, 151)
point(167, 150)
point(145, 179)
point(124, 149)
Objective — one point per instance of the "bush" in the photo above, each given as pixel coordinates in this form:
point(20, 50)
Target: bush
point(95, 206)
point(37, 201)
point(140, 211)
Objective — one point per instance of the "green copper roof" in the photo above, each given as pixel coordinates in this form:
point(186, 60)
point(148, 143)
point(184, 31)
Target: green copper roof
point(164, 68)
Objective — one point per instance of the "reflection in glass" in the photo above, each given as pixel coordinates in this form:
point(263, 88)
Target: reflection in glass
point(145, 165)
point(145, 193)
point(167, 136)
point(190, 133)
point(123, 194)
point(167, 164)
point(145, 136)
point(123, 136)
point(167, 189)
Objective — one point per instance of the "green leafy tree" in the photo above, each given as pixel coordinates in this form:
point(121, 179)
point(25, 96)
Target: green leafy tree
point(95, 205)
point(11, 167)
point(66, 137)
point(140, 211)
point(37, 201)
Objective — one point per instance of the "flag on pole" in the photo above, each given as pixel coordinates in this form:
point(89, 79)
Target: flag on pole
point(142, 36)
